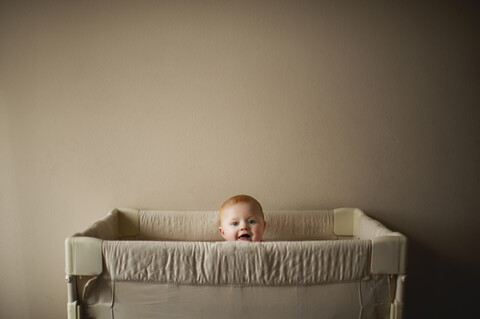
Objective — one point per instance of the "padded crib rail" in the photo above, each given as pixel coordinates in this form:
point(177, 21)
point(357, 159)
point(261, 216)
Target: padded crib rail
point(290, 263)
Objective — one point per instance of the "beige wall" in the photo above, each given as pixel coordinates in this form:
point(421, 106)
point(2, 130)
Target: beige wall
point(181, 104)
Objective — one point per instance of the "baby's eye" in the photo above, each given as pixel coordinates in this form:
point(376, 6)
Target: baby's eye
point(235, 223)
point(251, 221)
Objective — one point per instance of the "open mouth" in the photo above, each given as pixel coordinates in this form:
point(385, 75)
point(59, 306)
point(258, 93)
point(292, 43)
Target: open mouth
point(245, 237)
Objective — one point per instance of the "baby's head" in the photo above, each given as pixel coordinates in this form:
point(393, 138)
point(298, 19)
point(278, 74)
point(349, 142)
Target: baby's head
point(241, 218)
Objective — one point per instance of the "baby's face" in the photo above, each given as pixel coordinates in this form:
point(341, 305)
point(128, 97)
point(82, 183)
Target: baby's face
point(242, 221)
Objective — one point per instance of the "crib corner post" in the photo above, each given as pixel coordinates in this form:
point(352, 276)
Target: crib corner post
point(396, 307)
point(128, 224)
point(73, 311)
point(73, 306)
point(71, 287)
point(346, 221)
point(83, 257)
point(389, 254)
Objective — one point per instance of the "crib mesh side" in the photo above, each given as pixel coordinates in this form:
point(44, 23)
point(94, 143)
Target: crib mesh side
point(367, 299)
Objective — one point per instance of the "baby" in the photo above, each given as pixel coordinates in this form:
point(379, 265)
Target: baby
point(241, 218)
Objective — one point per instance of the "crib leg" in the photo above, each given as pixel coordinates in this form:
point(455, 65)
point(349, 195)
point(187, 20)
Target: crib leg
point(73, 306)
point(396, 308)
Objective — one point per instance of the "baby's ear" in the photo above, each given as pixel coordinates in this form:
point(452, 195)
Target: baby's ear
point(220, 229)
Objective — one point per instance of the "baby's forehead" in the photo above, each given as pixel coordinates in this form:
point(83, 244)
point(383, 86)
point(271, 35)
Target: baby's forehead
point(243, 208)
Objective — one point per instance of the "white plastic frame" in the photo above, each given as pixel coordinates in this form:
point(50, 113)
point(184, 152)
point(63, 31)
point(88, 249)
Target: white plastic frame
point(83, 255)
point(389, 252)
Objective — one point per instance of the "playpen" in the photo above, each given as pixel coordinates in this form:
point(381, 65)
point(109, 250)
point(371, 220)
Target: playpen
point(174, 264)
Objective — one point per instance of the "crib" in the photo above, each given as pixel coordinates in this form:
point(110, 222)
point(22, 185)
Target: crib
point(336, 263)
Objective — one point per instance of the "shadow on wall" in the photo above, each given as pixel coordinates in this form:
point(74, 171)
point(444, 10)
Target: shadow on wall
point(437, 285)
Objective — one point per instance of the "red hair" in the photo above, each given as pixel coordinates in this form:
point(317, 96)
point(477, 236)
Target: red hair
point(240, 199)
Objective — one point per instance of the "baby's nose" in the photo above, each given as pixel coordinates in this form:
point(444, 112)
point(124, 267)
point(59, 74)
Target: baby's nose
point(244, 226)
